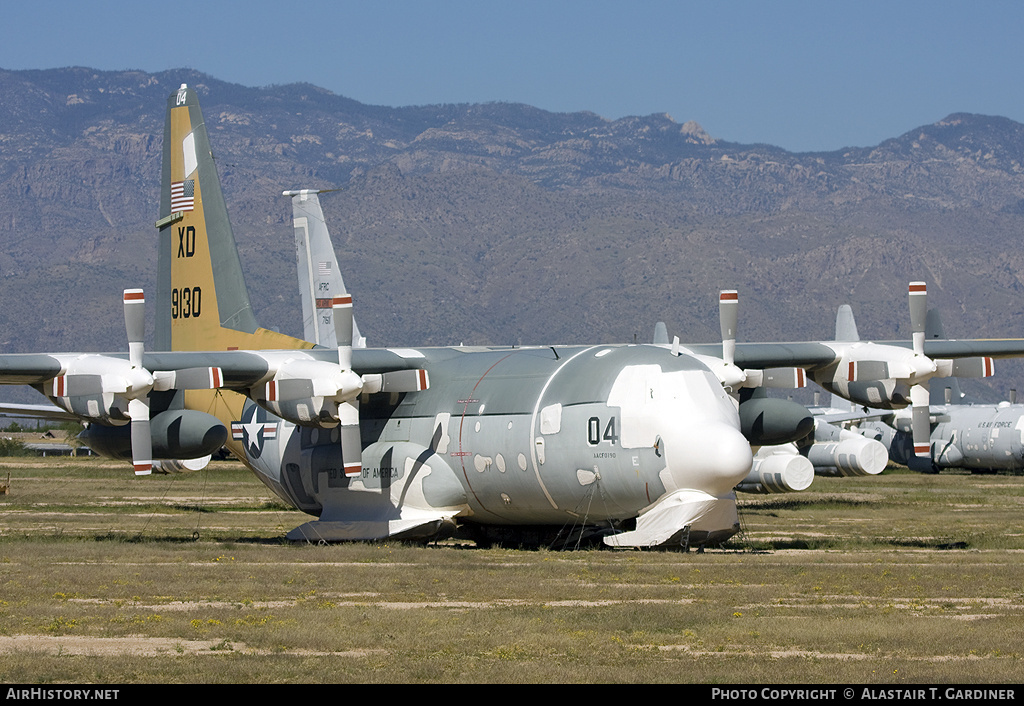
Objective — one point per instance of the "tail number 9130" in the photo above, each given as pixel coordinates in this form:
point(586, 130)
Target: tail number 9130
point(186, 303)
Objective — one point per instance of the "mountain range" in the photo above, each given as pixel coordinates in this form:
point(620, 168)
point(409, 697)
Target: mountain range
point(501, 223)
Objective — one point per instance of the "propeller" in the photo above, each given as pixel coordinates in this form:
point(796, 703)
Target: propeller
point(728, 319)
point(140, 382)
point(348, 410)
point(923, 369)
point(907, 375)
point(892, 377)
point(123, 387)
point(732, 376)
point(318, 393)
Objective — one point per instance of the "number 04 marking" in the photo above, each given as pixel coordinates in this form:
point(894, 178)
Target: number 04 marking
point(594, 434)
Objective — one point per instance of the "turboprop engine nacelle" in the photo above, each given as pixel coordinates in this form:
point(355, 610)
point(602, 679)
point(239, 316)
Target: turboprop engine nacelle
point(176, 434)
point(767, 421)
point(868, 374)
point(882, 376)
point(309, 392)
point(778, 469)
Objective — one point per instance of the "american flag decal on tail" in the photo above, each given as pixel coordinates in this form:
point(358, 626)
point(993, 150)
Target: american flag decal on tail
point(183, 195)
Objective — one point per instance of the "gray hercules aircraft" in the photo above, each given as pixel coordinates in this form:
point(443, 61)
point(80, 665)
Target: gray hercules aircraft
point(979, 437)
point(640, 445)
point(829, 451)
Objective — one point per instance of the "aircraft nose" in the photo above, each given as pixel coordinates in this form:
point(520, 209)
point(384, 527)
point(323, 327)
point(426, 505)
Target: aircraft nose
point(712, 457)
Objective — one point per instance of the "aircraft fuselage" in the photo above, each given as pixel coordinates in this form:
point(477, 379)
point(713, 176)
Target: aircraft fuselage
point(980, 437)
point(517, 436)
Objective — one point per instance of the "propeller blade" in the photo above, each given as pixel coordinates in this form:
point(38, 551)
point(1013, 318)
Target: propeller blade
point(973, 368)
point(405, 381)
point(921, 427)
point(135, 324)
point(785, 378)
point(351, 439)
point(142, 441)
point(861, 370)
point(342, 311)
point(918, 314)
point(728, 315)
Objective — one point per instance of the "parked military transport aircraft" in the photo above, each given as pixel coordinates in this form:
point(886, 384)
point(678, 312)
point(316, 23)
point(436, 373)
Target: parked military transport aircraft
point(638, 444)
point(980, 437)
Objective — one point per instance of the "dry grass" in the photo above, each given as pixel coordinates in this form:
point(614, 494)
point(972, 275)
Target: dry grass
point(901, 578)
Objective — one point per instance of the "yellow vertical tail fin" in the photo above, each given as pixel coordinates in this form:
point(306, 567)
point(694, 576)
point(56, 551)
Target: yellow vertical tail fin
point(202, 300)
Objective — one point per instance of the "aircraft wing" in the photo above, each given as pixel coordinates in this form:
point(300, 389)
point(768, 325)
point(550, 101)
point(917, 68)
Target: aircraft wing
point(239, 367)
point(28, 368)
point(857, 415)
point(37, 411)
point(821, 354)
point(779, 355)
point(240, 370)
point(992, 348)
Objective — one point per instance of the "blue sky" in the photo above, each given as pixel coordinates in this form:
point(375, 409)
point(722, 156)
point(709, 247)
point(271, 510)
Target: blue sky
point(802, 75)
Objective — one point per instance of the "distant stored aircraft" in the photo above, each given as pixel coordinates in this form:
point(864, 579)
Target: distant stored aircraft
point(979, 437)
point(638, 444)
point(830, 451)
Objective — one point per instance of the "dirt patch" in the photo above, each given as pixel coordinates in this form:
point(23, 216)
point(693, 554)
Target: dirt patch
point(140, 646)
point(807, 654)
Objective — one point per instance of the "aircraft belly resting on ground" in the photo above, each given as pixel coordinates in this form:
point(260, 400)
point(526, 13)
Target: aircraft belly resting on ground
point(641, 445)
